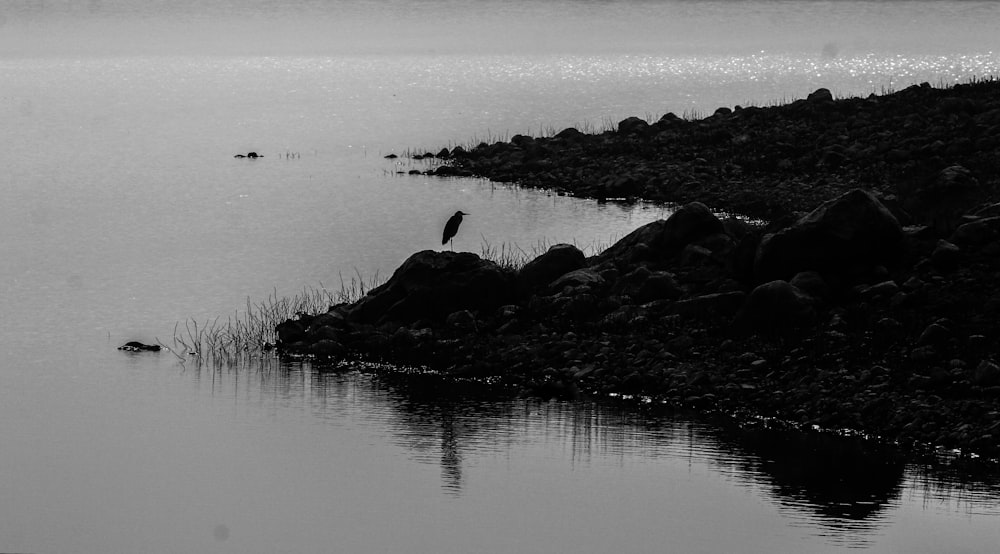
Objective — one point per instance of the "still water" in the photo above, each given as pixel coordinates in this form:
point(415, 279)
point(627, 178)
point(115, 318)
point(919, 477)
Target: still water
point(124, 212)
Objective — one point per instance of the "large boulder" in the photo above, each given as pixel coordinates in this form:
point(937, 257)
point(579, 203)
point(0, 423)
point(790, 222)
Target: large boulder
point(432, 285)
point(663, 238)
point(839, 237)
point(559, 260)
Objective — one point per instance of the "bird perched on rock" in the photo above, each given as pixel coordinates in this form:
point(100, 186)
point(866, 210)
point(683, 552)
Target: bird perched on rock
point(451, 228)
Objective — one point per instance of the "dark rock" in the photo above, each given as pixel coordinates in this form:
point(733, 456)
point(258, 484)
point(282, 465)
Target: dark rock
point(977, 232)
point(658, 286)
point(986, 374)
point(664, 238)
point(579, 278)
point(943, 200)
point(570, 134)
point(820, 95)
point(290, 331)
point(837, 237)
point(632, 125)
point(462, 321)
point(946, 256)
point(720, 305)
point(935, 334)
point(811, 283)
point(775, 306)
point(433, 285)
point(327, 348)
point(557, 261)
point(135, 346)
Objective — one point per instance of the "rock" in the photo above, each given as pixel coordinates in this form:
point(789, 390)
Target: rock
point(557, 261)
point(327, 348)
point(570, 134)
point(658, 286)
point(820, 95)
point(433, 285)
point(135, 346)
point(977, 232)
point(579, 278)
point(935, 335)
point(462, 321)
point(290, 331)
point(774, 306)
point(945, 256)
point(942, 201)
point(664, 238)
point(878, 291)
point(632, 125)
point(711, 306)
point(839, 237)
point(811, 283)
point(986, 374)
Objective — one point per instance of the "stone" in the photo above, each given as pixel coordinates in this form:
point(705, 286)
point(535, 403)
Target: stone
point(135, 346)
point(934, 334)
point(943, 200)
point(578, 278)
point(946, 256)
point(658, 286)
point(839, 237)
point(811, 283)
point(977, 232)
point(711, 306)
point(463, 321)
point(664, 238)
point(557, 261)
point(774, 306)
point(433, 285)
point(820, 95)
point(632, 125)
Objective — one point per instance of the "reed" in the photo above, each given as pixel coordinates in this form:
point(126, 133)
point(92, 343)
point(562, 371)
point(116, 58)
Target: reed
point(251, 331)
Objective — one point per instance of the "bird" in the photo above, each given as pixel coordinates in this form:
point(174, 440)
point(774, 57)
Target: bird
point(451, 228)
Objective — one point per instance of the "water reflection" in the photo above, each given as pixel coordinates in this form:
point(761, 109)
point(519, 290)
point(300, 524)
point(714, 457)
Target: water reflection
point(841, 489)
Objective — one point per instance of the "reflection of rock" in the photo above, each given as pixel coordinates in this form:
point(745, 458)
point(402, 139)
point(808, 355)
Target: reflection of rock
point(838, 478)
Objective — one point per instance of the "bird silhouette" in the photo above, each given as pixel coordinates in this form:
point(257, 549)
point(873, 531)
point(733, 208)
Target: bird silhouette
point(451, 228)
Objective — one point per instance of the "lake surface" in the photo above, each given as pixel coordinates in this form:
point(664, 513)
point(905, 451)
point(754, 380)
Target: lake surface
point(125, 212)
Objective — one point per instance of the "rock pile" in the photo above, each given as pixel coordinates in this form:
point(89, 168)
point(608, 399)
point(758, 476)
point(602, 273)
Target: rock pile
point(842, 318)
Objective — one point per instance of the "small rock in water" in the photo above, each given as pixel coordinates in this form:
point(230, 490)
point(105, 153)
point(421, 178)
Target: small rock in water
point(134, 346)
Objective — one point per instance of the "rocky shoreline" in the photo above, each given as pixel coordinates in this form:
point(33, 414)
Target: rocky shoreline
point(878, 311)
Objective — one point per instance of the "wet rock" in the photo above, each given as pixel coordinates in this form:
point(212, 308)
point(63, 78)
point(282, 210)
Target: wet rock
point(327, 348)
point(841, 236)
point(557, 261)
point(135, 346)
point(290, 331)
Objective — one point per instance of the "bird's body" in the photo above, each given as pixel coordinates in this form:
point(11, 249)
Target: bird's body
point(451, 227)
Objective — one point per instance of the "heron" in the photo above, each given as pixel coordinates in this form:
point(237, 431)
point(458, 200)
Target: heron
point(451, 228)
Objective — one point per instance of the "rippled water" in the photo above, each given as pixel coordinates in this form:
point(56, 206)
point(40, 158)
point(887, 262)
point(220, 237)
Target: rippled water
point(124, 212)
